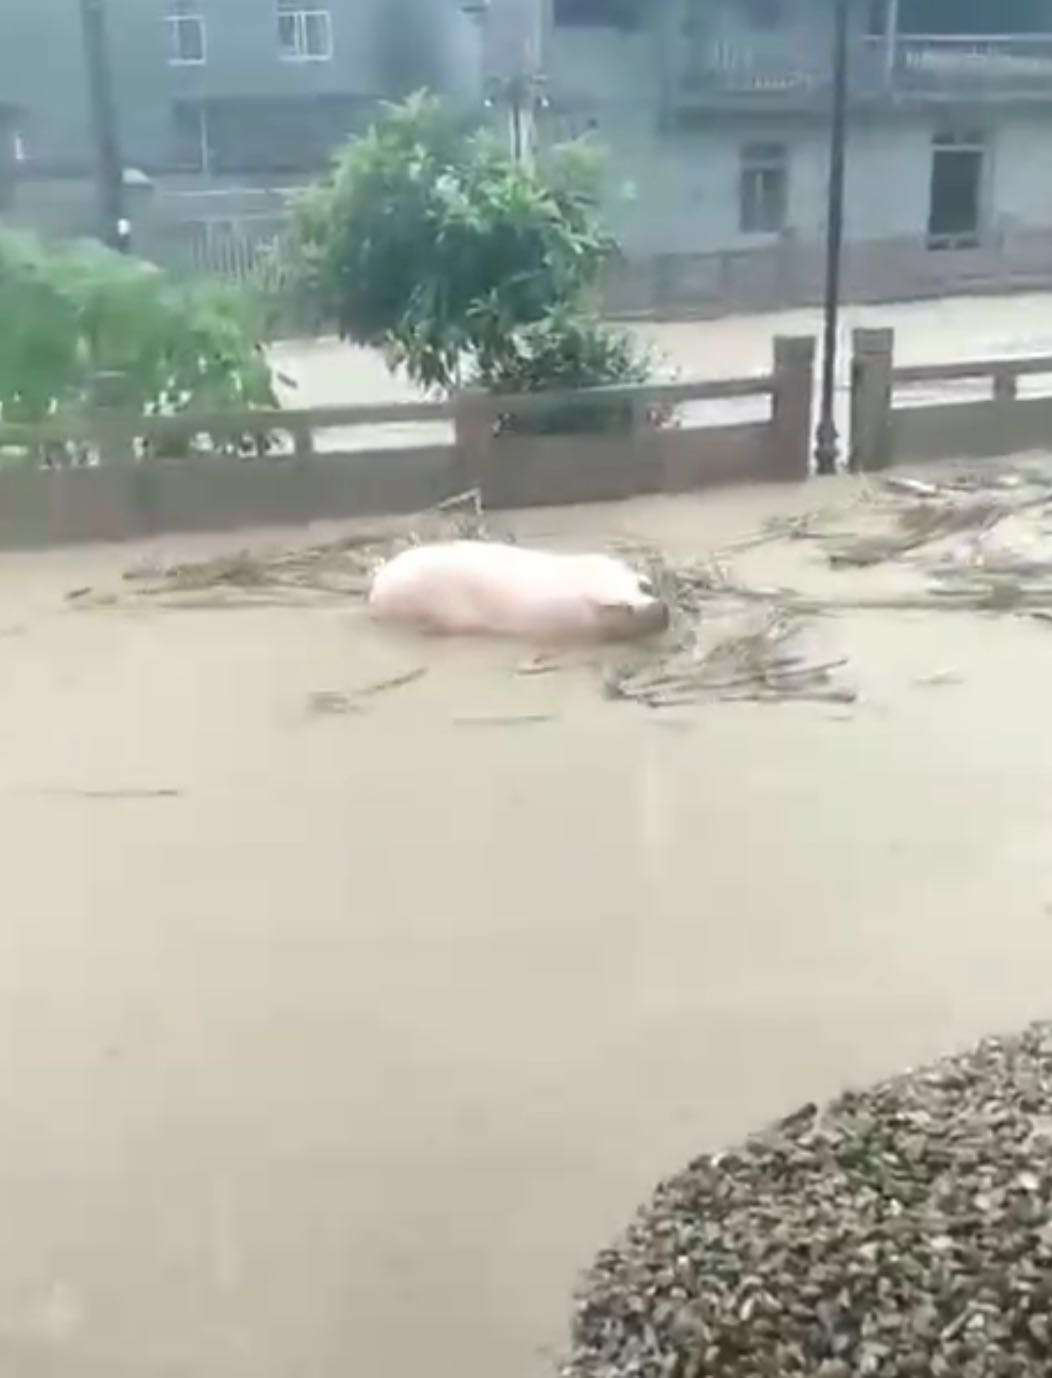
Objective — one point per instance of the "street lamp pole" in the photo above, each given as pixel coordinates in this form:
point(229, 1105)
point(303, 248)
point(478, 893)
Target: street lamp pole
point(109, 167)
point(826, 447)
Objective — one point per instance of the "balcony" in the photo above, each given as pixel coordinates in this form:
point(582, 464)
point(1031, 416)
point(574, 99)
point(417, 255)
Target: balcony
point(959, 65)
point(731, 73)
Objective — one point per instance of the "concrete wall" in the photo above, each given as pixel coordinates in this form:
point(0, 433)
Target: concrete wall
point(1002, 424)
point(123, 497)
point(111, 502)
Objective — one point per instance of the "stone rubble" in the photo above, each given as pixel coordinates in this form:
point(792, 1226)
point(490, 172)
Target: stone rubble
point(902, 1232)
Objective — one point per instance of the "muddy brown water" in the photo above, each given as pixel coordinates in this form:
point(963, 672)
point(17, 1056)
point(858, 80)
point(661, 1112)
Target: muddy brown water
point(337, 1042)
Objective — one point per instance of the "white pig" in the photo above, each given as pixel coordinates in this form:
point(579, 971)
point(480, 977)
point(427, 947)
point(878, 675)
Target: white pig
point(460, 587)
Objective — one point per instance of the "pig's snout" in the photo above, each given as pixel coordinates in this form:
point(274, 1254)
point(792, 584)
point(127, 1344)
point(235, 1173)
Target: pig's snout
point(623, 622)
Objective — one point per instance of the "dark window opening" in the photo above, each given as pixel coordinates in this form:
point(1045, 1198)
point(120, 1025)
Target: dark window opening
point(975, 18)
point(599, 14)
point(954, 219)
point(186, 33)
point(877, 18)
point(979, 17)
point(764, 14)
point(764, 189)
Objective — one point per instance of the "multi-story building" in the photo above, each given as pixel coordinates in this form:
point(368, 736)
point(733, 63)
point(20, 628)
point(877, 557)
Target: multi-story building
point(716, 115)
point(212, 93)
point(222, 86)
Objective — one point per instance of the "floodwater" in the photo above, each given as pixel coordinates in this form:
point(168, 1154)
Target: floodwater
point(337, 1043)
point(325, 372)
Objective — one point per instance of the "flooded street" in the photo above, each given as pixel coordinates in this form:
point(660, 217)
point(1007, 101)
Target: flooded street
point(327, 373)
point(337, 1042)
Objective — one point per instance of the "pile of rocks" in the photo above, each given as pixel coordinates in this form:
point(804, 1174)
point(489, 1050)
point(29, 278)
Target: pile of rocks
point(903, 1231)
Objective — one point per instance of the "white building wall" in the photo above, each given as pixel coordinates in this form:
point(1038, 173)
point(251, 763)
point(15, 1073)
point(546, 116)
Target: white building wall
point(888, 184)
point(1021, 179)
point(678, 193)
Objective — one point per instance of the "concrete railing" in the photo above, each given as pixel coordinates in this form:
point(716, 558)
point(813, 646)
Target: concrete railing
point(886, 427)
point(948, 62)
point(109, 475)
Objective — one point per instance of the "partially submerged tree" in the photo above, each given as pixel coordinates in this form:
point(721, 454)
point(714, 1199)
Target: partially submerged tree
point(429, 241)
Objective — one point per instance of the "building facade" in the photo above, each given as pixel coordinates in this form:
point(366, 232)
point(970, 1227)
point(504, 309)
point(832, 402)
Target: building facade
point(212, 96)
point(231, 87)
point(714, 115)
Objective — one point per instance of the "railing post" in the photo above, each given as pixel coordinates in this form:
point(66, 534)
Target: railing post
point(302, 441)
point(473, 423)
point(112, 418)
point(872, 353)
point(1006, 385)
point(791, 408)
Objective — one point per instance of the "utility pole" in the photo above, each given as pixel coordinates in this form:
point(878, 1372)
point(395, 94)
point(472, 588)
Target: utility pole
point(521, 96)
point(826, 446)
point(109, 166)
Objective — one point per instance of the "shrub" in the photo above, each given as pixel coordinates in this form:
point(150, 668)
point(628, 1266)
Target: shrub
point(73, 312)
point(430, 242)
point(564, 352)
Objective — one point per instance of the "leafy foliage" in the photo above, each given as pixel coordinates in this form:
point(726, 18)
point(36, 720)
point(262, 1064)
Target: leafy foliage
point(429, 241)
point(565, 352)
point(39, 344)
point(71, 313)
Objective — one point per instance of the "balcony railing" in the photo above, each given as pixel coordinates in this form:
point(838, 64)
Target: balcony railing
point(915, 64)
point(1012, 63)
point(738, 68)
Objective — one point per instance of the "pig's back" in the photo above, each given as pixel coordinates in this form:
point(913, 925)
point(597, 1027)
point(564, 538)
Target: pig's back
point(465, 586)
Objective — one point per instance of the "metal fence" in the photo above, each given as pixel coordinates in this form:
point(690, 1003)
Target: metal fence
point(230, 247)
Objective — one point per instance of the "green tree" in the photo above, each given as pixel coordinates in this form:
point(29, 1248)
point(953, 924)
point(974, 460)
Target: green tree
point(429, 241)
point(72, 312)
point(40, 352)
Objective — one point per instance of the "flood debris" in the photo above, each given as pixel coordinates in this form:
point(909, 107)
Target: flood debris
point(504, 720)
point(916, 524)
point(335, 569)
point(906, 515)
point(904, 1231)
point(333, 702)
point(723, 642)
point(115, 792)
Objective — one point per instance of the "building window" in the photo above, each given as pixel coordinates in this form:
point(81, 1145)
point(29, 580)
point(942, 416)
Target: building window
point(598, 14)
point(764, 14)
point(304, 32)
point(186, 34)
point(955, 209)
point(764, 189)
